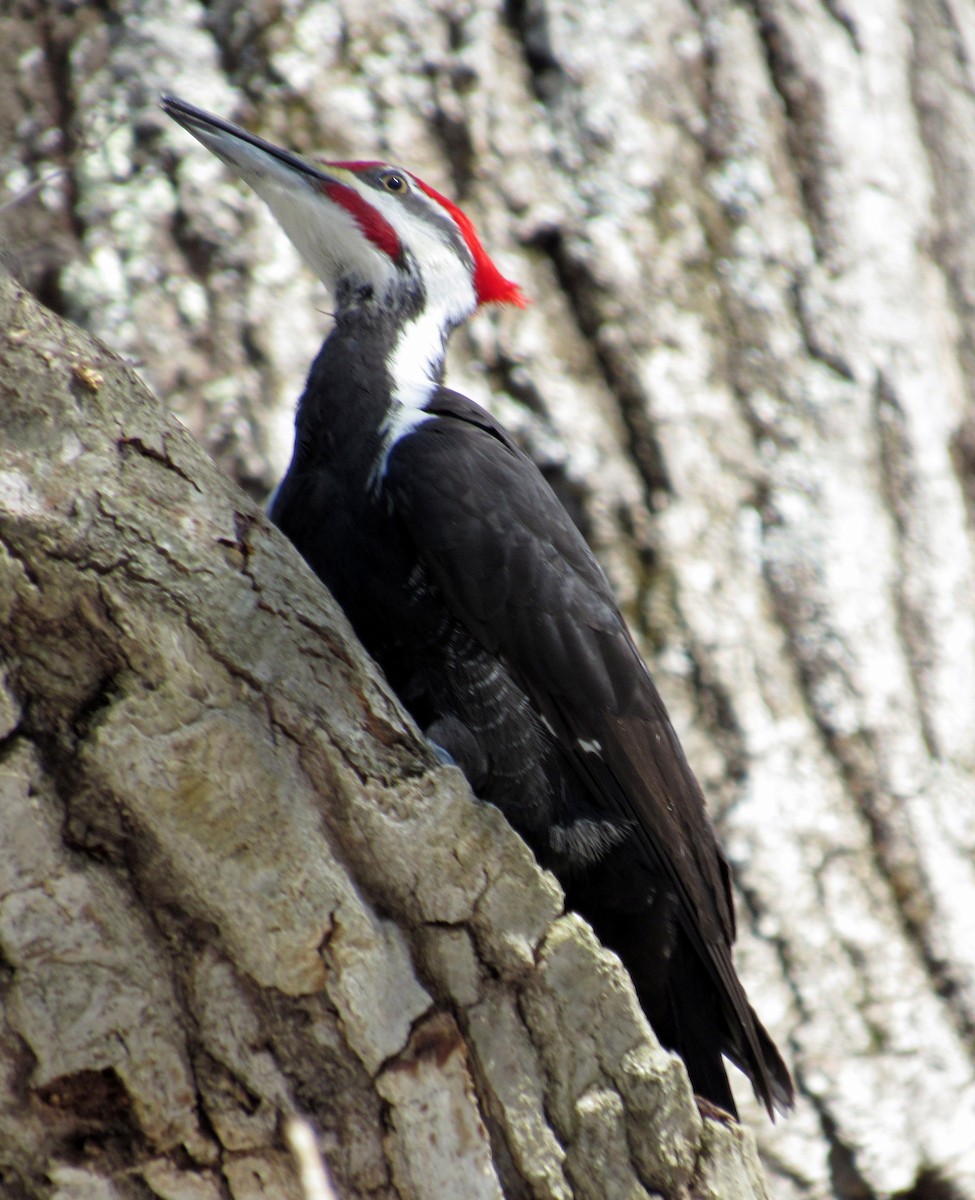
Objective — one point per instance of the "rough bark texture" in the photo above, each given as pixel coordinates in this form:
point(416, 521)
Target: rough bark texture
point(749, 236)
point(233, 883)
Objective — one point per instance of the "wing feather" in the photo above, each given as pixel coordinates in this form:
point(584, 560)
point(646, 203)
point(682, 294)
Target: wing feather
point(517, 572)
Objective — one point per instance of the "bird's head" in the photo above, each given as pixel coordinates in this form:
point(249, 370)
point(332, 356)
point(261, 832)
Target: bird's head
point(369, 230)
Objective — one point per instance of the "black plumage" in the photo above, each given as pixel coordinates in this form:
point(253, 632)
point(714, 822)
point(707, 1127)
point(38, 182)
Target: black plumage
point(467, 581)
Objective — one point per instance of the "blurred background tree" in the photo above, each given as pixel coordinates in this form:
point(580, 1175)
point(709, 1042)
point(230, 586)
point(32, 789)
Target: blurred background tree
point(748, 238)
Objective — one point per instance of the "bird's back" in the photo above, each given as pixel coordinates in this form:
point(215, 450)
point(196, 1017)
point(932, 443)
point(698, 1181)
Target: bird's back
point(499, 632)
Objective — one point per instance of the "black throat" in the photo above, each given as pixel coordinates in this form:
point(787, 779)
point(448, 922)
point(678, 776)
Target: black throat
point(330, 503)
point(351, 392)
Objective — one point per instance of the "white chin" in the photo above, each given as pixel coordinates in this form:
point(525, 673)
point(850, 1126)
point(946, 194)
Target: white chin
point(326, 236)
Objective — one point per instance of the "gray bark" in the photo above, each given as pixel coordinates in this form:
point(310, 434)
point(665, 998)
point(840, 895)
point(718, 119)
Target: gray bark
point(748, 235)
point(234, 883)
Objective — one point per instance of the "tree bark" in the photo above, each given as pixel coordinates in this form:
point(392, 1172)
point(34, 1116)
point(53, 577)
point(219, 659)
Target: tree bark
point(235, 882)
point(748, 235)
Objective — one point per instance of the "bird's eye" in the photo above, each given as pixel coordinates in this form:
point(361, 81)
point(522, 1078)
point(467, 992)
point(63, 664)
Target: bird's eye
point(392, 181)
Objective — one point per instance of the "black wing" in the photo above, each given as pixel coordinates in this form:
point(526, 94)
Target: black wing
point(515, 570)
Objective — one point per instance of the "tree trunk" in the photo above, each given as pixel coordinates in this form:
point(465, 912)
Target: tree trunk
point(237, 883)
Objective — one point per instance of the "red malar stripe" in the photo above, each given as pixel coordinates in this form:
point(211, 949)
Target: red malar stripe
point(372, 223)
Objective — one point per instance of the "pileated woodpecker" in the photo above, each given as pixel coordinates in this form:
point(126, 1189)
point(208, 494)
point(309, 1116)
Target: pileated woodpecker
point(469, 584)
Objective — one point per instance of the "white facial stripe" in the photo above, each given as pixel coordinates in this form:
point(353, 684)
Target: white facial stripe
point(416, 359)
point(417, 356)
point(406, 415)
point(447, 278)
